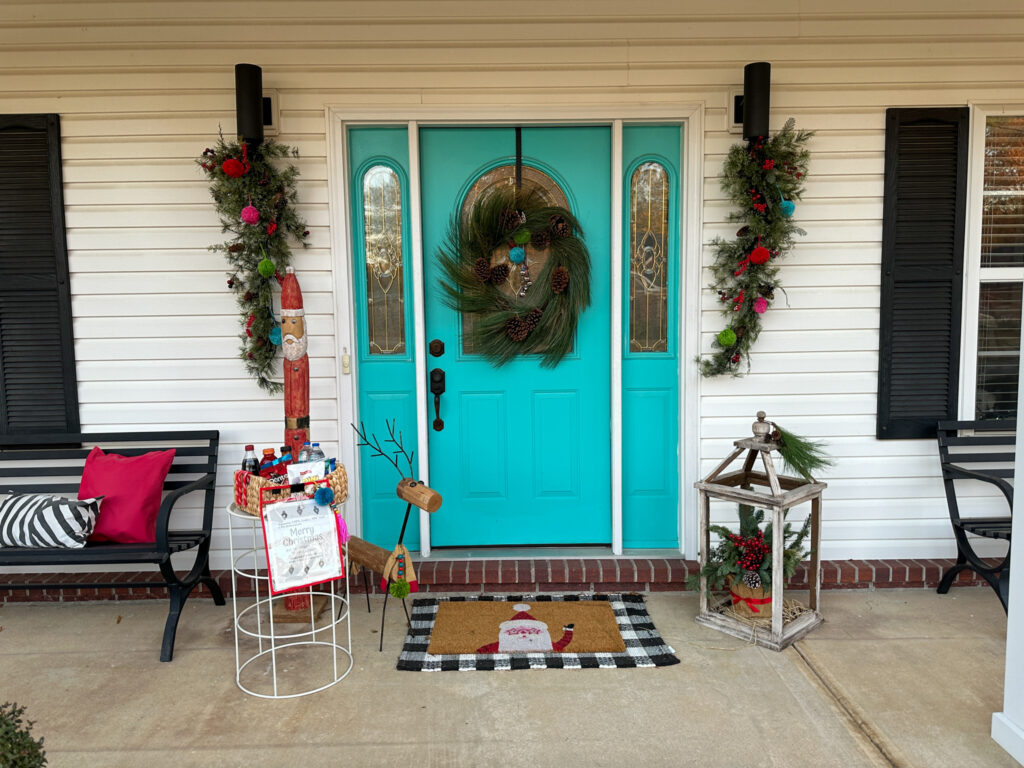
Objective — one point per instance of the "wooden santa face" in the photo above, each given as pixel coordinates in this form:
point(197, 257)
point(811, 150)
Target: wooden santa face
point(293, 336)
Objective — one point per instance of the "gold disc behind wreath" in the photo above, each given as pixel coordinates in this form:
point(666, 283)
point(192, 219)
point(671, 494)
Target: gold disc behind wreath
point(507, 321)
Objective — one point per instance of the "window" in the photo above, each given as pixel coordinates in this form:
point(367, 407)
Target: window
point(385, 290)
point(997, 254)
point(38, 387)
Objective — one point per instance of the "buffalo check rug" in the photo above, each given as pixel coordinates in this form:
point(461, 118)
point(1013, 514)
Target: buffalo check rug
point(505, 632)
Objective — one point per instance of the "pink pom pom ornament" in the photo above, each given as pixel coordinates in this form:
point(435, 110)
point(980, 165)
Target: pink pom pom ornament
point(250, 215)
point(760, 305)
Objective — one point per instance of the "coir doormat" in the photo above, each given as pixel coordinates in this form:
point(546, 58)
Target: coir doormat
point(532, 632)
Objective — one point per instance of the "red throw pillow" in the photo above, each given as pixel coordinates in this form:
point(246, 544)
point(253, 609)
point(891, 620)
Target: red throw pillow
point(131, 487)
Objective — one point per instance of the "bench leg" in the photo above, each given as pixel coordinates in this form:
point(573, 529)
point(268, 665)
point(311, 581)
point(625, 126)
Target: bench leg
point(212, 585)
point(949, 575)
point(179, 594)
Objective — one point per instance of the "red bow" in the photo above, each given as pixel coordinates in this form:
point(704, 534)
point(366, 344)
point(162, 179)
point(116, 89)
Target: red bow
point(752, 602)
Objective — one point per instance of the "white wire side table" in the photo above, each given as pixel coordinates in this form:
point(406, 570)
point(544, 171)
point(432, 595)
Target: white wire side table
point(278, 660)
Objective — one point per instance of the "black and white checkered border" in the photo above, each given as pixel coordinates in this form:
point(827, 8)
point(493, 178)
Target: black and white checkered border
point(644, 646)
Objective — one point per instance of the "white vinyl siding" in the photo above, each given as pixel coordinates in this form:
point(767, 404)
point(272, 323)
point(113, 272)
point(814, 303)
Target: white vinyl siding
point(142, 87)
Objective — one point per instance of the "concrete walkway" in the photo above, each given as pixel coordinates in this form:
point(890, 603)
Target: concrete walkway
point(896, 677)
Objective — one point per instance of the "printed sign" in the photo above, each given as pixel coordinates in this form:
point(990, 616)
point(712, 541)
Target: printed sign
point(302, 543)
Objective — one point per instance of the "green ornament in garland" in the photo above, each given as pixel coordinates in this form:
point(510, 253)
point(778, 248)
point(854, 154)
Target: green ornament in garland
point(762, 178)
point(541, 317)
point(250, 182)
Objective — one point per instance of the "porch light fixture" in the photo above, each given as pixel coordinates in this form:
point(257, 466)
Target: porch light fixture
point(249, 103)
point(757, 89)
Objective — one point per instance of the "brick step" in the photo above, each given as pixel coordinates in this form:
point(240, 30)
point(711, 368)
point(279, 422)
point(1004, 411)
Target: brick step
point(511, 576)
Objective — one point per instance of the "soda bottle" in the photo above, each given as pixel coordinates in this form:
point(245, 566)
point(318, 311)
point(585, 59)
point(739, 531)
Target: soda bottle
point(249, 462)
point(286, 456)
point(269, 457)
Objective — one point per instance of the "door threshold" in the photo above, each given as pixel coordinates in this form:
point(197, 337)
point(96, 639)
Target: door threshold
point(596, 552)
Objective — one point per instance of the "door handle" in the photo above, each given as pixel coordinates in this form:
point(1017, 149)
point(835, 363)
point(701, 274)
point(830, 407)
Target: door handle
point(437, 389)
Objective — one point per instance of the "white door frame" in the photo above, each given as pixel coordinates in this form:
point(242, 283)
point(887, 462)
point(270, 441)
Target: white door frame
point(691, 116)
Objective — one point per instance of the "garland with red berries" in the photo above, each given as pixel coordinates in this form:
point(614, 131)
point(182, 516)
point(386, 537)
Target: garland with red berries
point(255, 203)
point(762, 178)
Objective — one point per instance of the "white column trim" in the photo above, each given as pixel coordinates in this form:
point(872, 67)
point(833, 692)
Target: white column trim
point(691, 274)
point(419, 325)
point(616, 335)
point(1008, 725)
point(338, 196)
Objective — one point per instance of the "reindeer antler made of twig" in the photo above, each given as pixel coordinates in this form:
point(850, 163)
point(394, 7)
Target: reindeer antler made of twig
point(370, 440)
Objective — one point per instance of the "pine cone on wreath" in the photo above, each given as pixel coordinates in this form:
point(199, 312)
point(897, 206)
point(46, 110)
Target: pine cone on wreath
point(560, 227)
point(559, 280)
point(499, 274)
point(517, 329)
point(540, 240)
point(482, 269)
point(752, 579)
point(533, 317)
point(509, 220)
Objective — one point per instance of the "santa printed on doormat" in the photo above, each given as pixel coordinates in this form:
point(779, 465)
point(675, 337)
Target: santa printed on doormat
point(523, 633)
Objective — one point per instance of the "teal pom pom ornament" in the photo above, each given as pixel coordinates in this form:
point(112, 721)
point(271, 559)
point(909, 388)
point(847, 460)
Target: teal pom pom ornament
point(517, 255)
point(323, 497)
point(787, 208)
point(275, 336)
point(727, 338)
point(266, 268)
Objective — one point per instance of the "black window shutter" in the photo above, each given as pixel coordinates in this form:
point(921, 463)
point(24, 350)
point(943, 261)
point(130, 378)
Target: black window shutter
point(38, 386)
point(922, 269)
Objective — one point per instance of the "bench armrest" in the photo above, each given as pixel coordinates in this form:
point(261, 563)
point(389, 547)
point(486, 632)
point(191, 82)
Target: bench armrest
point(954, 471)
point(163, 518)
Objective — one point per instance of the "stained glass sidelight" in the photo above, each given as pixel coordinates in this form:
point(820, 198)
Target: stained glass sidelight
point(382, 225)
point(648, 259)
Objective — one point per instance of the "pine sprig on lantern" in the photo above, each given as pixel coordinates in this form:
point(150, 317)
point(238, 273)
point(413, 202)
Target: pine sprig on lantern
point(762, 178)
point(543, 321)
point(801, 455)
point(255, 202)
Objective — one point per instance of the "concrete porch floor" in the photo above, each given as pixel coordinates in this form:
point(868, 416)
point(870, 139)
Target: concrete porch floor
point(893, 678)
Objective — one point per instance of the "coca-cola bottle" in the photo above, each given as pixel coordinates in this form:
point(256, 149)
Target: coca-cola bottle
point(249, 462)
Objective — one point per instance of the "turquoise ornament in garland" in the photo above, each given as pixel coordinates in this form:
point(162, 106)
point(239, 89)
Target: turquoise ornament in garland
point(762, 178)
point(480, 252)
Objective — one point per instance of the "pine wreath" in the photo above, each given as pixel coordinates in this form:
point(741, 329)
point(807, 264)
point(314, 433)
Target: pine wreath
point(481, 251)
point(255, 202)
point(762, 178)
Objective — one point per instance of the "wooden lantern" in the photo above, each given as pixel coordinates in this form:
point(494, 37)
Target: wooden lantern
point(775, 494)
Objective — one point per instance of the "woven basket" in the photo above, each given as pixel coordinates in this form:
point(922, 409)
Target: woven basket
point(741, 594)
point(249, 485)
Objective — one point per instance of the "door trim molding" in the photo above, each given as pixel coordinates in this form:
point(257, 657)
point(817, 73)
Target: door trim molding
point(340, 117)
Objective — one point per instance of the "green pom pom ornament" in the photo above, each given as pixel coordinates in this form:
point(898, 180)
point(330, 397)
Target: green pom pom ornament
point(522, 237)
point(727, 338)
point(399, 589)
point(266, 268)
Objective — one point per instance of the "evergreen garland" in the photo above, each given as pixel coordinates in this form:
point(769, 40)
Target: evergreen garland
point(541, 321)
point(762, 178)
point(255, 203)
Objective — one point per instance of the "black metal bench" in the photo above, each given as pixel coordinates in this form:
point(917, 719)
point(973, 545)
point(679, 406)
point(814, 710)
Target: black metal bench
point(53, 464)
point(986, 455)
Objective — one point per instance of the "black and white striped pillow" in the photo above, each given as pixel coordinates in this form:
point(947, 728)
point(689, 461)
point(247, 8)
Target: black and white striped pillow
point(44, 520)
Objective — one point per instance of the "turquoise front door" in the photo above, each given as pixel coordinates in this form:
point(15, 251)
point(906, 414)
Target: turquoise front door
point(524, 456)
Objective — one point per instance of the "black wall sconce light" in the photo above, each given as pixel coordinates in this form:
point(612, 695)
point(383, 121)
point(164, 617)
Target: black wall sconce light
point(757, 91)
point(249, 104)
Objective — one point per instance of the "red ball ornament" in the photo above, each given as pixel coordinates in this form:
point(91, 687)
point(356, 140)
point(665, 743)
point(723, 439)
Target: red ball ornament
point(760, 255)
point(233, 168)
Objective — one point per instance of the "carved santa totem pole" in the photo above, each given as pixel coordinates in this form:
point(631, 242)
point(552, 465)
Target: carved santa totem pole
point(296, 364)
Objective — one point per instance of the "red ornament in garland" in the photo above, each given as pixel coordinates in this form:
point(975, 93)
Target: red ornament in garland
point(248, 325)
point(271, 228)
point(760, 254)
point(233, 167)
